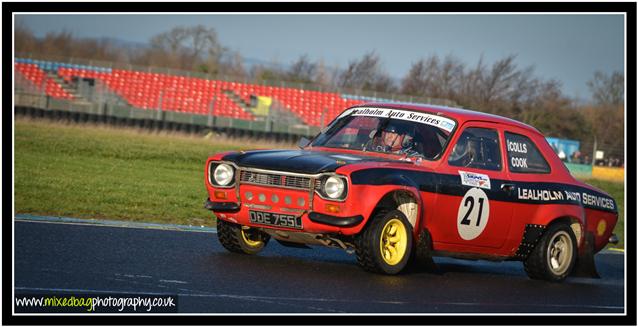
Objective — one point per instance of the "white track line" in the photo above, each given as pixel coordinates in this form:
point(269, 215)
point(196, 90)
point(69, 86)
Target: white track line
point(124, 225)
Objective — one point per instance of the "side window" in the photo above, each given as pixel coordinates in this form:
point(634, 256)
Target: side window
point(477, 148)
point(523, 156)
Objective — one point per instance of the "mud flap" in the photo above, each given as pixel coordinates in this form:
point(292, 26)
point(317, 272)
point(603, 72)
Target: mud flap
point(422, 253)
point(531, 236)
point(585, 265)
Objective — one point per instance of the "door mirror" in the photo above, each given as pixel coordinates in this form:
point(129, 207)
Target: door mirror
point(303, 142)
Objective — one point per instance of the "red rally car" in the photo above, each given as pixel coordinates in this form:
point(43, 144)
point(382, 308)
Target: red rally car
point(401, 183)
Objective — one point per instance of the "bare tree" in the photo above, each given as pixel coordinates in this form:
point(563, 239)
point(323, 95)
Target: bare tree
point(524, 90)
point(449, 77)
point(171, 41)
point(204, 40)
point(433, 77)
point(607, 117)
point(302, 70)
point(263, 73)
point(470, 85)
point(323, 76)
point(498, 82)
point(421, 79)
point(59, 44)
point(366, 74)
point(607, 90)
point(25, 41)
point(185, 47)
point(232, 63)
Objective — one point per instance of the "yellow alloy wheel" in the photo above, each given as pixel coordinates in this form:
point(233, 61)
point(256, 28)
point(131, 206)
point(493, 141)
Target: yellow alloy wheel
point(394, 241)
point(248, 241)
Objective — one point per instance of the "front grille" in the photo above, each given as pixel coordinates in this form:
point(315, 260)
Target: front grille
point(280, 180)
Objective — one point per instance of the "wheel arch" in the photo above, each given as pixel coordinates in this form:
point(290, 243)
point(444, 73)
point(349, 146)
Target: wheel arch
point(571, 215)
point(547, 215)
point(405, 199)
point(574, 224)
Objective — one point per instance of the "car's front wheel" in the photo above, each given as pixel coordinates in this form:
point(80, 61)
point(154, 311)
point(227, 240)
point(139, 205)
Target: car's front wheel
point(384, 246)
point(554, 256)
point(239, 240)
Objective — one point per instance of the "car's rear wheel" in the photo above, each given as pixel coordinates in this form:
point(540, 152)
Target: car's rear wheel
point(554, 256)
point(239, 240)
point(384, 246)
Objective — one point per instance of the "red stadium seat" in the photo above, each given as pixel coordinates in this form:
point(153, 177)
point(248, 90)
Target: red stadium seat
point(194, 95)
point(41, 81)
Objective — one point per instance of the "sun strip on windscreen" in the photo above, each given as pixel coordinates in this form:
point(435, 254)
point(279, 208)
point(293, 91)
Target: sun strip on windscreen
point(418, 117)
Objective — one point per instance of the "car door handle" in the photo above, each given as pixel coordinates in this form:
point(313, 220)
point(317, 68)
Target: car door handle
point(508, 187)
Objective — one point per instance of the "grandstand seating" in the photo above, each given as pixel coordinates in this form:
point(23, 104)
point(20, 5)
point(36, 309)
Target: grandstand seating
point(168, 92)
point(307, 105)
point(41, 81)
point(151, 91)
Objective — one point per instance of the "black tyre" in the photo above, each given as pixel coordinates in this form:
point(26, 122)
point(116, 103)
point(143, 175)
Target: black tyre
point(554, 256)
point(385, 244)
point(238, 240)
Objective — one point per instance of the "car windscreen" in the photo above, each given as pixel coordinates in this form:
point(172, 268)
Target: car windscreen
point(388, 131)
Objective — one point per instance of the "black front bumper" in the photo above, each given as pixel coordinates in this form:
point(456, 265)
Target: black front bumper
point(222, 206)
point(316, 217)
point(335, 221)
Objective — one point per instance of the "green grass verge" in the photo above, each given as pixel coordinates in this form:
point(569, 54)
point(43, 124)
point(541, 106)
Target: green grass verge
point(122, 174)
point(101, 172)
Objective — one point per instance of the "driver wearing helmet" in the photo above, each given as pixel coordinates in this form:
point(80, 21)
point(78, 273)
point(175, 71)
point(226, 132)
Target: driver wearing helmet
point(393, 137)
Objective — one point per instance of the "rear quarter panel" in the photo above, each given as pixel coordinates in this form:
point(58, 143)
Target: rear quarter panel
point(579, 207)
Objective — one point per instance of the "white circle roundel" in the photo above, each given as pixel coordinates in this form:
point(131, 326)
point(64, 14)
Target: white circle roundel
point(474, 212)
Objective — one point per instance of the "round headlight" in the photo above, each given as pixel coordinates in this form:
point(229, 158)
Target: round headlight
point(223, 174)
point(334, 187)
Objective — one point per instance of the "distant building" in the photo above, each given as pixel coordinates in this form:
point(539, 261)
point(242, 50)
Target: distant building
point(567, 150)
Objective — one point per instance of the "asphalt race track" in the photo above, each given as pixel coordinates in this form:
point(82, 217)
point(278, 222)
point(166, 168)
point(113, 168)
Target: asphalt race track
point(72, 258)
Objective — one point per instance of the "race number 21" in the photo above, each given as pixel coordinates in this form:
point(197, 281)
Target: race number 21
point(473, 214)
